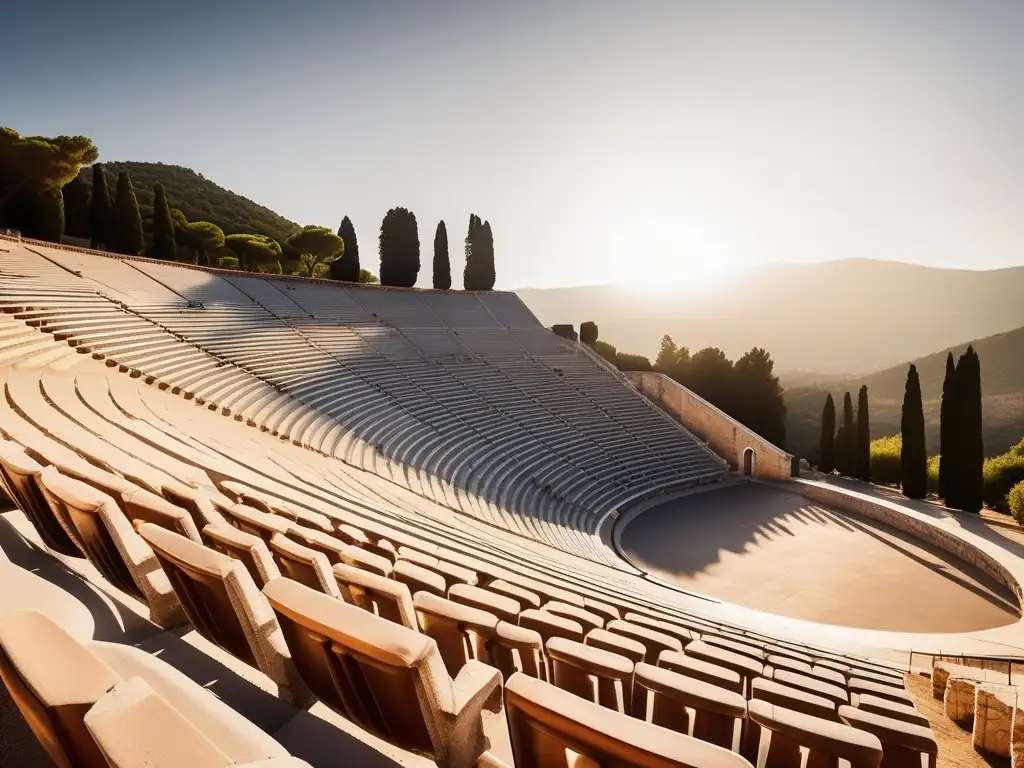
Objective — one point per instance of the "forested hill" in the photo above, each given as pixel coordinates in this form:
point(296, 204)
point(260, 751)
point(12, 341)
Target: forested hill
point(194, 195)
point(1002, 385)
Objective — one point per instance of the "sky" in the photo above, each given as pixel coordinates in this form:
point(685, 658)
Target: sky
point(634, 142)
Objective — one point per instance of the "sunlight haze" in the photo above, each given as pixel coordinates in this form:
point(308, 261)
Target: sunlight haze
point(624, 143)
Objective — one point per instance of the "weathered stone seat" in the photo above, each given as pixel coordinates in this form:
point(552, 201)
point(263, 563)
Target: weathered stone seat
point(891, 692)
point(685, 634)
point(663, 696)
point(826, 741)
point(549, 625)
point(514, 648)
point(505, 608)
point(597, 675)
point(813, 685)
point(225, 606)
point(521, 595)
point(545, 721)
point(303, 564)
point(360, 558)
point(372, 592)
point(107, 539)
point(461, 632)
point(394, 681)
point(55, 679)
point(581, 616)
point(879, 706)
point(140, 505)
point(620, 644)
point(654, 641)
point(330, 546)
point(693, 667)
point(134, 727)
point(418, 578)
point(745, 667)
point(250, 550)
point(788, 698)
point(256, 522)
point(18, 472)
point(902, 743)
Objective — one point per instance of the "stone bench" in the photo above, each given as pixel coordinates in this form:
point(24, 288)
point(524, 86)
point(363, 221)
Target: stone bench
point(826, 741)
point(902, 743)
point(665, 696)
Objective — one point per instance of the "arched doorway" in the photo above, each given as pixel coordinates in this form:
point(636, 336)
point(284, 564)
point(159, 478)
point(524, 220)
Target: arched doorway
point(749, 462)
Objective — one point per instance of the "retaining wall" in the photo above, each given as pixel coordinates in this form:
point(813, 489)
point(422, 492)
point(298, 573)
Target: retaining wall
point(726, 436)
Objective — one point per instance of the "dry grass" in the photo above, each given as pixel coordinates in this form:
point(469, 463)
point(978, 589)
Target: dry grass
point(956, 749)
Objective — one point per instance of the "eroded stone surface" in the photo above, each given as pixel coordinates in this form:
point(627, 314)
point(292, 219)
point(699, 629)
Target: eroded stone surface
point(995, 709)
point(959, 700)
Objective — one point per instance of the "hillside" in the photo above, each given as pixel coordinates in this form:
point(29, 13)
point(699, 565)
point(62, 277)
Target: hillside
point(190, 192)
point(1002, 381)
point(845, 317)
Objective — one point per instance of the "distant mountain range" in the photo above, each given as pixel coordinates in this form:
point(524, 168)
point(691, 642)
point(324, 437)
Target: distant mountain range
point(1002, 384)
point(847, 317)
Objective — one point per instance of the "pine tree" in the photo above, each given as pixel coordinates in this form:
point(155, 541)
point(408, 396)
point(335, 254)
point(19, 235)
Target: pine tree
point(442, 266)
point(164, 245)
point(346, 266)
point(99, 208)
point(862, 444)
point(849, 435)
point(947, 427)
point(966, 489)
point(827, 453)
point(913, 454)
point(126, 232)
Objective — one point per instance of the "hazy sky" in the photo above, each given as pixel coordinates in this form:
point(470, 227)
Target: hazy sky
point(605, 142)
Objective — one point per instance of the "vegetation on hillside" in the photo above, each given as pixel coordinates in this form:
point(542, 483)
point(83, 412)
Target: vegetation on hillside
point(198, 199)
point(748, 389)
point(1015, 500)
point(162, 211)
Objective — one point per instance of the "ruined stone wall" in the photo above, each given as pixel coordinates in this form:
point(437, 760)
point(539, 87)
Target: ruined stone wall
point(726, 436)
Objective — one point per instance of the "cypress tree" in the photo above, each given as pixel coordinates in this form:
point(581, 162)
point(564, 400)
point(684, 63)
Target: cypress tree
point(126, 232)
point(913, 454)
point(164, 245)
point(99, 208)
point(479, 274)
point(947, 427)
point(442, 266)
point(849, 435)
point(346, 266)
point(862, 444)
point(827, 452)
point(399, 248)
point(967, 483)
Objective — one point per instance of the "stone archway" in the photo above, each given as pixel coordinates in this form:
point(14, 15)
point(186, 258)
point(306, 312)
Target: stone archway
point(749, 461)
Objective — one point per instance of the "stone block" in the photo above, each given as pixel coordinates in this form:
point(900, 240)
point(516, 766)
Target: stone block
point(995, 709)
point(1017, 740)
point(958, 703)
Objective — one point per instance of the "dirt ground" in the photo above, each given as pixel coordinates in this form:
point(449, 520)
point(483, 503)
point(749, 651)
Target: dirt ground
point(955, 747)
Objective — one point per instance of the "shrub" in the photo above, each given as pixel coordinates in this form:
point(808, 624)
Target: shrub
point(933, 473)
point(885, 459)
point(1000, 474)
point(1015, 501)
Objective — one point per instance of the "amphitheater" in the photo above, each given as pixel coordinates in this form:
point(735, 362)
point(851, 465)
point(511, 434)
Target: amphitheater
point(279, 521)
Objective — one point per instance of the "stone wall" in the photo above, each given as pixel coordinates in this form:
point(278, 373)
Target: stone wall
point(726, 436)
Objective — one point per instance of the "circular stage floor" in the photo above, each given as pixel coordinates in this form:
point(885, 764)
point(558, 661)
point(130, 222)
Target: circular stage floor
point(772, 550)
